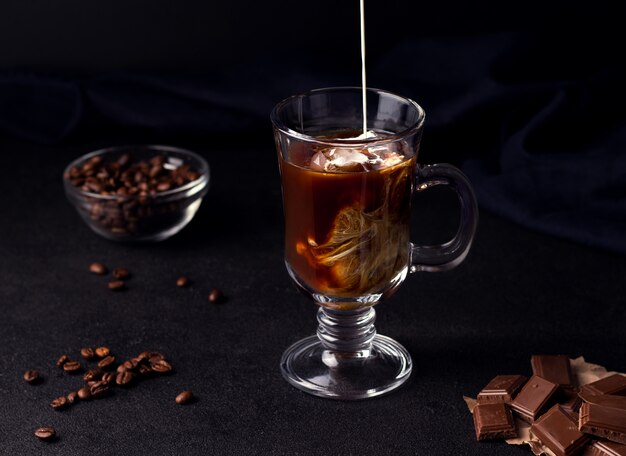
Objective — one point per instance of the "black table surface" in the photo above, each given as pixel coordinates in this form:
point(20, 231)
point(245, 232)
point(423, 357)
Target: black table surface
point(518, 293)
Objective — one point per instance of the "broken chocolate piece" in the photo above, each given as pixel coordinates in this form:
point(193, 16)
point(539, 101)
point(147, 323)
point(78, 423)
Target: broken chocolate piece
point(494, 421)
point(613, 384)
point(536, 395)
point(501, 388)
point(570, 402)
point(555, 368)
point(604, 416)
point(556, 430)
point(605, 448)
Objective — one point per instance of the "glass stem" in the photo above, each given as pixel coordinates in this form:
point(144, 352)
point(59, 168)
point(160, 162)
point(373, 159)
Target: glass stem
point(349, 333)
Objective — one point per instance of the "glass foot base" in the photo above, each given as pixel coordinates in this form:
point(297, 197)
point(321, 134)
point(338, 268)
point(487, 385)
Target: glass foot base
point(309, 366)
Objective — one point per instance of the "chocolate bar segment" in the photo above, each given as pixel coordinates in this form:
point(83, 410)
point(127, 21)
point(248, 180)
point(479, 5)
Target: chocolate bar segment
point(605, 448)
point(556, 430)
point(555, 368)
point(604, 416)
point(613, 384)
point(493, 421)
point(501, 388)
point(536, 395)
point(570, 402)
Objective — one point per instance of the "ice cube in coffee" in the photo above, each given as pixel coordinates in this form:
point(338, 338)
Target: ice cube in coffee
point(347, 216)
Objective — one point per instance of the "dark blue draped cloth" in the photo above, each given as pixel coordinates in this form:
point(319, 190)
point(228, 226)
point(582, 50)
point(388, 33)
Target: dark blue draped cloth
point(539, 127)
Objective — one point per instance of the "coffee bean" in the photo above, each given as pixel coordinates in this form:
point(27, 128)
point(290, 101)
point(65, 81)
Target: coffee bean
point(164, 186)
point(124, 378)
point(121, 368)
point(92, 375)
point(182, 282)
point(45, 433)
point(155, 357)
point(102, 352)
point(121, 273)
point(72, 367)
point(59, 403)
point(87, 353)
point(98, 389)
point(108, 377)
point(216, 296)
point(107, 362)
point(130, 365)
point(31, 376)
point(184, 398)
point(144, 355)
point(72, 397)
point(98, 268)
point(161, 366)
point(84, 393)
point(116, 285)
point(62, 360)
point(144, 370)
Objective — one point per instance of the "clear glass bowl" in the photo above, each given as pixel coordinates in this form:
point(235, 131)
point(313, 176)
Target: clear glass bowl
point(137, 215)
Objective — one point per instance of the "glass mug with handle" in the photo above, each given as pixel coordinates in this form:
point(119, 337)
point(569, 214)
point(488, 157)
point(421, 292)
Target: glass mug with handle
point(347, 205)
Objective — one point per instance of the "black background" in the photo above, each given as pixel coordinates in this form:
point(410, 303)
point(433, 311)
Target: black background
point(482, 71)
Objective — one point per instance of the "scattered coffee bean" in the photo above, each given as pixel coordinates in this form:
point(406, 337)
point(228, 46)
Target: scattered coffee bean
point(182, 282)
point(121, 273)
point(161, 366)
point(98, 268)
point(216, 296)
point(72, 397)
point(107, 362)
point(102, 352)
point(144, 370)
point(45, 433)
point(99, 389)
point(130, 364)
point(116, 285)
point(184, 398)
point(144, 355)
point(31, 376)
point(84, 393)
point(72, 367)
point(121, 368)
point(92, 375)
point(87, 353)
point(59, 403)
point(155, 357)
point(107, 377)
point(124, 378)
point(62, 360)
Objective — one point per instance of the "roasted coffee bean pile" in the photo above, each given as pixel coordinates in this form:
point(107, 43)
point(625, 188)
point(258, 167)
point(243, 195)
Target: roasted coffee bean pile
point(130, 187)
point(106, 375)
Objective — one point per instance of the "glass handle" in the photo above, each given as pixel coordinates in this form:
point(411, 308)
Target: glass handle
point(435, 258)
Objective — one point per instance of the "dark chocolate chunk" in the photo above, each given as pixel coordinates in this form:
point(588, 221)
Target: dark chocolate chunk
point(556, 430)
point(555, 368)
point(536, 395)
point(603, 416)
point(613, 384)
point(493, 421)
point(501, 388)
point(570, 402)
point(604, 448)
